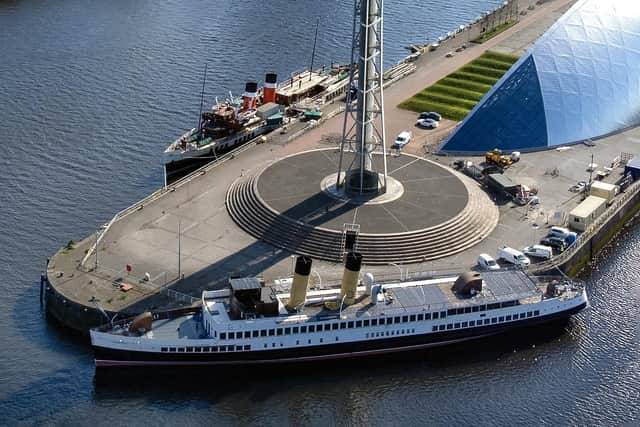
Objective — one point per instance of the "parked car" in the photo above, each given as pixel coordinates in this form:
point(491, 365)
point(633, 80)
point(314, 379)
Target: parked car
point(556, 243)
point(571, 238)
point(539, 251)
point(513, 256)
point(427, 123)
point(579, 187)
point(556, 231)
point(486, 262)
point(430, 115)
point(402, 139)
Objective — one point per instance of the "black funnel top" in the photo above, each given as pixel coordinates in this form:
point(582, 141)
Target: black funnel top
point(353, 261)
point(251, 87)
point(271, 78)
point(303, 265)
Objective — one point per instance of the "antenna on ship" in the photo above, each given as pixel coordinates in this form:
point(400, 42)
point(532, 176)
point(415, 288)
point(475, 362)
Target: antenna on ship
point(313, 52)
point(204, 82)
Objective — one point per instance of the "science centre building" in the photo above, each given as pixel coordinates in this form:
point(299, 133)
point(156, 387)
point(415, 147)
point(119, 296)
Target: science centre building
point(579, 81)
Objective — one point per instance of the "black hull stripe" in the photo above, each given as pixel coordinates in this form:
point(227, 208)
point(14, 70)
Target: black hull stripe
point(105, 357)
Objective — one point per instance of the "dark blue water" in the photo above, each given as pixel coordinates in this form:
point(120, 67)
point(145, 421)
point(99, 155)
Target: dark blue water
point(90, 94)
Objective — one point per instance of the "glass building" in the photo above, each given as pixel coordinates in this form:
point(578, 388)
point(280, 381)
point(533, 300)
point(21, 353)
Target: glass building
point(580, 80)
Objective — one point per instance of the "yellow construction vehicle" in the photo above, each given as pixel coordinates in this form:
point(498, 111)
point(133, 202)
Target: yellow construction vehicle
point(497, 158)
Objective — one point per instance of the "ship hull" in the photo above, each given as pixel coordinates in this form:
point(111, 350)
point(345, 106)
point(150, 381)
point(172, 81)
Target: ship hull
point(106, 357)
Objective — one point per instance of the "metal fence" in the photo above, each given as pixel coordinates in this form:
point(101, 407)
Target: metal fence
point(590, 231)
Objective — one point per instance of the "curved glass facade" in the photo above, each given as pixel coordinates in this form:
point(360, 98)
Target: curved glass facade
point(580, 80)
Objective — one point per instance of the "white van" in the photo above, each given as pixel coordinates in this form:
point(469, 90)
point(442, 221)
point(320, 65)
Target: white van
point(486, 262)
point(513, 256)
point(539, 251)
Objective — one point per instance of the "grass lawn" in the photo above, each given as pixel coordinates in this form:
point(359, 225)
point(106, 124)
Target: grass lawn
point(456, 94)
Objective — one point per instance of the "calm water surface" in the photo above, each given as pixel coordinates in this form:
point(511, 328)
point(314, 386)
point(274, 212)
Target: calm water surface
point(90, 94)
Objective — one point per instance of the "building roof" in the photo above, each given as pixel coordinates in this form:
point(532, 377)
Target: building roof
point(588, 207)
point(580, 80)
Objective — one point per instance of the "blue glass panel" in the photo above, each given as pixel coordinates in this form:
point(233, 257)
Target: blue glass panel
point(510, 118)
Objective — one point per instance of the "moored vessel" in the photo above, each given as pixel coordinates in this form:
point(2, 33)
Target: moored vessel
point(250, 323)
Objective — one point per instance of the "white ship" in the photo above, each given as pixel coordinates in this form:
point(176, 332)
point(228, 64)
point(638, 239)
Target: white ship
point(249, 323)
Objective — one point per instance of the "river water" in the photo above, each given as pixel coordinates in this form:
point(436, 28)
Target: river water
point(90, 94)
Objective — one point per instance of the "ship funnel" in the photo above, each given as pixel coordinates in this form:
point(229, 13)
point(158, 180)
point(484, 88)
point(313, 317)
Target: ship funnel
point(270, 86)
point(350, 277)
point(298, 293)
point(249, 96)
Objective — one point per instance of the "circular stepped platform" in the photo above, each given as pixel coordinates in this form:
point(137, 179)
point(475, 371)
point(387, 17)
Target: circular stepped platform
point(440, 213)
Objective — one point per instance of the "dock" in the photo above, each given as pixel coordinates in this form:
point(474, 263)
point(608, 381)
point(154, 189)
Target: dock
point(163, 251)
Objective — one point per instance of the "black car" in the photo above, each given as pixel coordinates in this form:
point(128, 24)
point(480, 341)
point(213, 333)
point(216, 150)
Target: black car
point(555, 242)
point(430, 115)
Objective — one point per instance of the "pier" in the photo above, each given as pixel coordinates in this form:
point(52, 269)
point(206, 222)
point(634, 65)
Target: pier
point(244, 214)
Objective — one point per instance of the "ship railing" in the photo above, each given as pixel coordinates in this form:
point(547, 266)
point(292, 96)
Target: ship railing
point(591, 230)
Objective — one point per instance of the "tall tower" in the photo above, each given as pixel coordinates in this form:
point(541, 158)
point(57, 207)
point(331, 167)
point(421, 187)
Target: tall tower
point(363, 130)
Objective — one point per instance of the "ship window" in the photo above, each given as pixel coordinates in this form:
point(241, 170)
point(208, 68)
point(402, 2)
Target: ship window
point(215, 348)
point(436, 315)
point(507, 318)
point(493, 306)
point(279, 331)
point(172, 350)
point(205, 349)
point(501, 319)
point(457, 325)
point(494, 320)
point(247, 347)
point(472, 323)
point(164, 349)
point(536, 313)
point(272, 332)
point(287, 331)
point(337, 338)
point(232, 335)
point(303, 329)
point(255, 333)
point(321, 340)
point(483, 308)
point(296, 330)
point(450, 326)
point(366, 322)
point(223, 335)
point(266, 345)
point(474, 308)
point(374, 322)
point(465, 324)
point(412, 318)
point(443, 314)
point(263, 332)
point(350, 324)
point(427, 316)
point(387, 333)
point(434, 328)
point(441, 327)
point(451, 312)
point(460, 311)
point(273, 345)
point(487, 321)
point(247, 334)
point(335, 326)
point(343, 325)
point(312, 328)
point(509, 304)
point(405, 319)
point(522, 315)
point(358, 323)
point(309, 341)
point(529, 314)
point(393, 333)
